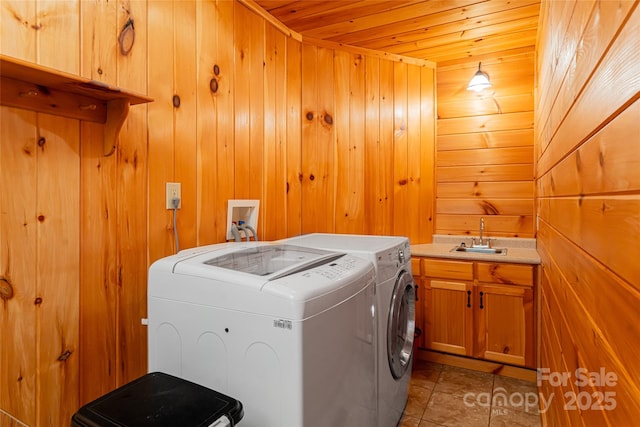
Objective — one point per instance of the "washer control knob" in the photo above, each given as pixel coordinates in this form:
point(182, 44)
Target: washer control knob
point(401, 256)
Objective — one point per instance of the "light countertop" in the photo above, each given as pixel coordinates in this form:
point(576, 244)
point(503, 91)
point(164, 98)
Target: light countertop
point(519, 250)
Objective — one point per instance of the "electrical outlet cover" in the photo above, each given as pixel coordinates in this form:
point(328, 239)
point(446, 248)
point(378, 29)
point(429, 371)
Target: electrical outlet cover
point(174, 190)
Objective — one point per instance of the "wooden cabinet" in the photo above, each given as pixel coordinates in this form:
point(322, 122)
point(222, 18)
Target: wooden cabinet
point(504, 322)
point(450, 324)
point(504, 315)
point(479, 309)
point(448, 321)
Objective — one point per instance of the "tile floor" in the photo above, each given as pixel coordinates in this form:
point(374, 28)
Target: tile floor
point(442, 395)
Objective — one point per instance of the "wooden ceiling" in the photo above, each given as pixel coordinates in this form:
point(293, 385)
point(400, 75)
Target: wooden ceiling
point(433, 30)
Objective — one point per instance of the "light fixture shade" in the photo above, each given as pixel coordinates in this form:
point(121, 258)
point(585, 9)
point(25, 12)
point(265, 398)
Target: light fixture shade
point(479, 81)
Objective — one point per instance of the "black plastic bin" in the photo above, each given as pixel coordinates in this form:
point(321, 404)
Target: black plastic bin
point(158, 399)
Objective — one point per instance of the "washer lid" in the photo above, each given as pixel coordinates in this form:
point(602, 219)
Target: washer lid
point(274, 261)
point(256, 263)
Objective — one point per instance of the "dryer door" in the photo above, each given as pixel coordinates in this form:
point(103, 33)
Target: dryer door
point(401, 325)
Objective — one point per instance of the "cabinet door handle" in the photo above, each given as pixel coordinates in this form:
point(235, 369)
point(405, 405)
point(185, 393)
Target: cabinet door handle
point(469, 299)
point(416, 293)
point(481, 306)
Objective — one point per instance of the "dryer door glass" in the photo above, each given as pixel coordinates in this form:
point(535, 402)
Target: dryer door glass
point(401, 325)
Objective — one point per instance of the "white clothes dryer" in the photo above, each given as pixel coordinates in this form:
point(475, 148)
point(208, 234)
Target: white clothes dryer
point(288, 331)
point(395, 300)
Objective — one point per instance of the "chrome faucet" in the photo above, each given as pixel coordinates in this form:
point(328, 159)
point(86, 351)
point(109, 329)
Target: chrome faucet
point(481, 230)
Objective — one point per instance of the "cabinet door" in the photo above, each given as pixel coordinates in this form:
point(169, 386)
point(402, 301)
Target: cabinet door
point(504, 322)
point(449, 308)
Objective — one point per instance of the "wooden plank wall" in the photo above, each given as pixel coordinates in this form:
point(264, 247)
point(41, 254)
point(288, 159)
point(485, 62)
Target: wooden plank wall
point(485, 147)
point(367, 145)
point(73, 224)
point(327, 139)
point(305, 129)
point(588, 196)
point(40, 255)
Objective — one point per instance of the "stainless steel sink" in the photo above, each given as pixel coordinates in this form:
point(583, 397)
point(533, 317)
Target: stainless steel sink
point(480, 250)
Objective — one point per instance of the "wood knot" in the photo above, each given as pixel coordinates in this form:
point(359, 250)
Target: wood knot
point(312, 177)
point(213, 85)
point(64, 356)
point(216, 70)
point(328, 119)
point(37, 301)
point(127, 37)
point(403, 182)
point(176, 101)
point(489, 208)
point(309, 116)
point(6, 290)
point(41, 141)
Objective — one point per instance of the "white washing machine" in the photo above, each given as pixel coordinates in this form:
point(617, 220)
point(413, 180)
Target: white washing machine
point(395, 299)
point(288, 331)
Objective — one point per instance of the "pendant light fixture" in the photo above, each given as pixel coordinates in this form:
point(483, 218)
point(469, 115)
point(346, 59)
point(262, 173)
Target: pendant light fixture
point(480, 80)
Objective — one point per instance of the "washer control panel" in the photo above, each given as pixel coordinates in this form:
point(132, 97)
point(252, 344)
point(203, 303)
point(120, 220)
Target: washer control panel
point(336, 269)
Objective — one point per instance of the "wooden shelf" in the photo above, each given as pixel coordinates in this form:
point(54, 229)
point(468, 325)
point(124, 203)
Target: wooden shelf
point(34, 87)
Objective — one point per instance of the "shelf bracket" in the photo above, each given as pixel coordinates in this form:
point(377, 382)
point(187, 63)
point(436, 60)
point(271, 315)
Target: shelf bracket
point(117, 111)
